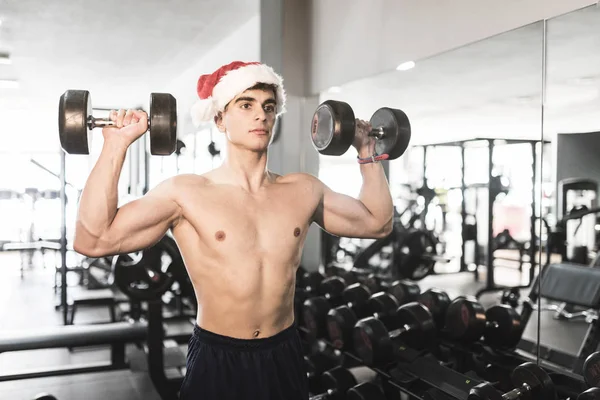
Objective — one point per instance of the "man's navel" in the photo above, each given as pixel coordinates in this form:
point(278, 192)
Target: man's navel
point(220, 236)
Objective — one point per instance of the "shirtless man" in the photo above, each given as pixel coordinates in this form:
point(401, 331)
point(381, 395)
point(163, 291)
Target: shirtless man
point(240, 229)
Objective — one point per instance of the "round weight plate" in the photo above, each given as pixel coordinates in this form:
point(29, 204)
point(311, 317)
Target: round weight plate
point(163, 124)
point(365, 391)
point(372, 342)
point(437, 303)
point(410, 254)
point(465, 319)
point(591, 369)
point(74, 108)
point(332, 128)
point(396, 128)
point(404, 291)
point(422, 328)
point(340, 322)
point(505, 326)
point(315, 312)
point(144, 278)
point(333, 286)
point(339, 379)
point(536, 378)
point(382, 304)
point(357, 294)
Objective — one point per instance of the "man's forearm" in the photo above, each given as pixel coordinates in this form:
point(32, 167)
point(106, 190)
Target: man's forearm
point(99, 199)
point(375, 193)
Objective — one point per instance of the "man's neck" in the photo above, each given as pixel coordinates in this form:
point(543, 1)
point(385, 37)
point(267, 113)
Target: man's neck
point(246, 169)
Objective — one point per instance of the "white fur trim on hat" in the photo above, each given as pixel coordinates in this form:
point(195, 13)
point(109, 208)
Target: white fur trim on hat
point(203, 110)
point(232, 84)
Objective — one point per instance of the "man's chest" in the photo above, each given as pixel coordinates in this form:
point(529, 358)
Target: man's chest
point(270, 223)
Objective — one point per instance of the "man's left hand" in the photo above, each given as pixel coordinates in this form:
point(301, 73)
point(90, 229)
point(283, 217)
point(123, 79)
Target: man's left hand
point(364, 143)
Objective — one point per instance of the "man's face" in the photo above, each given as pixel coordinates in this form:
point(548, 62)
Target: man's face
point(249, 118)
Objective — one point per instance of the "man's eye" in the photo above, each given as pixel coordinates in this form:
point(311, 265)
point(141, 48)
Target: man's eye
point(269, 108)
point(246, 105)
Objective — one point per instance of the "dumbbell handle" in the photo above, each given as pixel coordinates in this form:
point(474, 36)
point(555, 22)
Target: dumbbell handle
point(102, 122)
point(377, 133)
point(516, 394)
point(400, 331)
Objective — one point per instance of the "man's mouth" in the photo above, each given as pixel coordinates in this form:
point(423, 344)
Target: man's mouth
point(259, 131)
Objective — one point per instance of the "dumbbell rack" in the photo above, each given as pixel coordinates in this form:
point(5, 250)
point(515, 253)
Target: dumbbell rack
point(421, 374)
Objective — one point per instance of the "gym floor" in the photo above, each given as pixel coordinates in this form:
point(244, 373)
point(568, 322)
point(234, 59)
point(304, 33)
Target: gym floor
point(28, 303)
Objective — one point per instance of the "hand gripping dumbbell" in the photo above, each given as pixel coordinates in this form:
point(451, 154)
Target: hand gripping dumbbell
point(532, 382)
point(467, 321)
point(333, 127)
point(359, 303)
point(315, 309)
point(350, 383)
point(381, 305)
point(377, 344)
point(591, 374)
point(437, 302)
point(75, 122)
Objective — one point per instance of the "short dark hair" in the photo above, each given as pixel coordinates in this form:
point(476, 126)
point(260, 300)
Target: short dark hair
point(261, 86)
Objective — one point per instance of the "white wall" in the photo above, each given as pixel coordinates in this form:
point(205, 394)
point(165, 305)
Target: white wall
point(360, 38)
point(242, 44)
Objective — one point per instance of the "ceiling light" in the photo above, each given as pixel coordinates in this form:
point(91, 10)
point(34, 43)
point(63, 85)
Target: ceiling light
point(9, 84)
point(405, 66)
point(334, 89)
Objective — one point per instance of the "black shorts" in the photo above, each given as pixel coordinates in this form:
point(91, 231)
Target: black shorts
point(224, 368)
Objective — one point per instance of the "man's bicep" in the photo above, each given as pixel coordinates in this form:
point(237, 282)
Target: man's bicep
point(342, 215)
point(142, 222)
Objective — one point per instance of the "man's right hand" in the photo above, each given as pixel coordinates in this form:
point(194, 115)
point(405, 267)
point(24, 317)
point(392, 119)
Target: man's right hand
point(129, 126)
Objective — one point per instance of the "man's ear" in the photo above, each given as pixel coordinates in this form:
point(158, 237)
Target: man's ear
point(219, 121)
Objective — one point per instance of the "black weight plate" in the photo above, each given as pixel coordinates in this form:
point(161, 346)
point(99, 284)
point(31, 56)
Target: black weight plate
point(372, 342)
point(404, 291)
point(332, 286)
point(340, 322)
point(332, 128)
point(465, 319)
point(314, 312)
point(536, 378)
point(396, 127)
point(74, 109)
point(356, 294)
point(505, 326)
point(410, 252)
point(421, 330)
point(163, 124)
point(365, 391)
point(339, 379)
point(591, 369)
point(437, 302)
point(145, 278)
point(383, 306)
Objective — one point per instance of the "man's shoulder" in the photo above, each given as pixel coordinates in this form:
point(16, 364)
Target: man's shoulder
point(182, 180)
point(298, 177)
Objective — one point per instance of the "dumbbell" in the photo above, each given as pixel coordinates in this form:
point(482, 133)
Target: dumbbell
point(315, 309)
point(591, 375)
point(316, 364)
point(75, 122)
point(354, 383)
point(359, 304)
point(532, 382)
point(333, 127)
point(309, 281)
point(44, 396)
point(412, 325)
point(468, 321)
point(437, 302)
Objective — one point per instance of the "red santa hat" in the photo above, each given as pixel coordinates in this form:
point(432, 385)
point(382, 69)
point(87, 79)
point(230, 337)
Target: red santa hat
point(216, 90)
